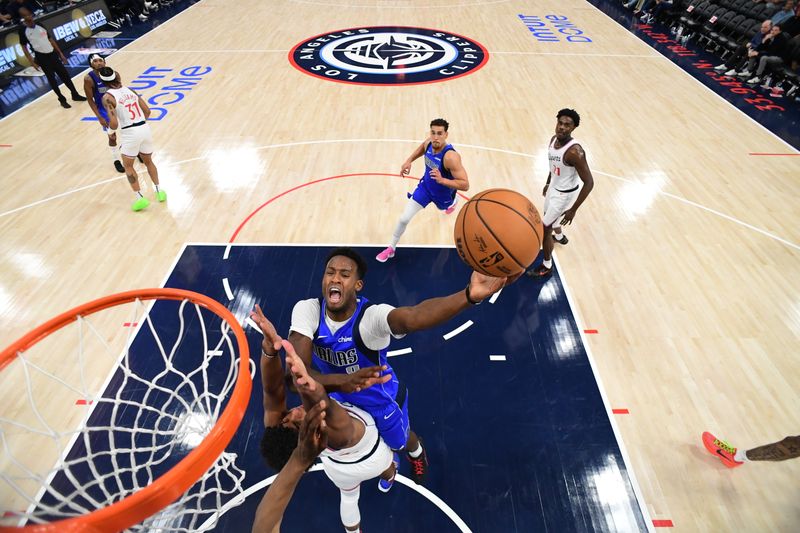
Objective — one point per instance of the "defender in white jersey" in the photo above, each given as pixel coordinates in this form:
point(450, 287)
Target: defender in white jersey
point(128, 113)
point(355, 451)
point(563, 194)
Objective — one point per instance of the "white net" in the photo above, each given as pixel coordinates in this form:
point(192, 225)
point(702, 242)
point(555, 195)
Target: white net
point(72, 442)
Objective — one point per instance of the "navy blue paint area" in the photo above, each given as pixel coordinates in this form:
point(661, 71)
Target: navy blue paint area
point(18, 91)
point(779, 115)
point(522, 445)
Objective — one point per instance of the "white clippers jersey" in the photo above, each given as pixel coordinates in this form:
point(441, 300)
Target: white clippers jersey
point(364, 447)
point(128, 110)
point(562, 177)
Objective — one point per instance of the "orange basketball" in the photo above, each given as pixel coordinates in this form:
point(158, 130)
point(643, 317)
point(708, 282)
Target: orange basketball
point(498, 232)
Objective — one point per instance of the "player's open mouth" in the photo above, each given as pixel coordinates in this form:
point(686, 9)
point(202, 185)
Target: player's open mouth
point(334, 295)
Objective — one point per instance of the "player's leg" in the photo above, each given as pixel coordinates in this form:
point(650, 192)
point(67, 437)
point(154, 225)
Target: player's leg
point(129, 149)
point(112, 142)
point(415, 204)
point(395, 429)
point(788, 448)
point(558, 235)
point(146, 157)
point(348, 509)
point(552, 210)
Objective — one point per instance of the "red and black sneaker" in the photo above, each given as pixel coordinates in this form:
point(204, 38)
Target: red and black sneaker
point(539, 272)
point(419, 465)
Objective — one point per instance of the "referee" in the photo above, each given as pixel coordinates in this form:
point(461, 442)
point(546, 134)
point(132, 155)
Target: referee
point(44, 49)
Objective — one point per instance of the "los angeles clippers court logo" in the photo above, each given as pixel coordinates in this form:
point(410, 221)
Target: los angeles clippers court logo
point(388, 55)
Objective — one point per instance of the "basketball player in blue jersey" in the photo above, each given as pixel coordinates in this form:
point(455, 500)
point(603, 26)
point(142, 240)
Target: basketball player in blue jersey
point(444, 175)
point(94, 89)
point(346, 333)
point(563, 194)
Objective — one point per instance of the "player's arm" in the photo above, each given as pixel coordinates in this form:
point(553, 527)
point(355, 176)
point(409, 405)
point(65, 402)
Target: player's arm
point(88, 90)
point(312, 439)
point(144, 107)
point(547, 183)
point(576, 157)
point(434, 311)
point(271, 370)
point(110, 103)
point(452, 162)
point(348, 383)
point(341, 430)
point(416, 154)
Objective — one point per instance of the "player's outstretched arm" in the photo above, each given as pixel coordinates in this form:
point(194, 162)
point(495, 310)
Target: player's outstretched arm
point(312, 439)
point(576, 157)
point(434, 311)
point(340, 424)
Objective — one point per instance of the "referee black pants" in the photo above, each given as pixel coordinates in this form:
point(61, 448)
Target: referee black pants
point(51, 65)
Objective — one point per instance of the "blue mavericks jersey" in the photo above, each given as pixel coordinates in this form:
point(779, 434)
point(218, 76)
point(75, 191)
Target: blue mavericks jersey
point(438, 193)
point(99, 90)
point(344, 352)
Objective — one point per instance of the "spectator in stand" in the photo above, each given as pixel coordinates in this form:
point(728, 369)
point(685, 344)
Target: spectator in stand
point(744, 54)
point(779, 17)
point(656, 11)
point(774, 48)
point(14, 6)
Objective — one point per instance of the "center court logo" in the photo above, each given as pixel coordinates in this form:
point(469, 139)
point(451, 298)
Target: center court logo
point(388, 55)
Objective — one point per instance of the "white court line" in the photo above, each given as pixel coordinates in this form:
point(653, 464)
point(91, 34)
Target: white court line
point(227, 287)
point(227, 251)
point(495, 296)
point(416, 141)
point(611, 418)
point(497, 358)
point(252, 489)
point(214, 353)
point(399, 352)
point(286, 51)
point(573, 54)
point(459, 329)
point(249, 321)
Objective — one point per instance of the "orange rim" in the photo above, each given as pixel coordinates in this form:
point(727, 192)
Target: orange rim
point(179, 478)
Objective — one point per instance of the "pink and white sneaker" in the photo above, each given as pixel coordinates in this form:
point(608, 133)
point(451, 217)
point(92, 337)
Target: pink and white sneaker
point(452, 208)
point(385, 255)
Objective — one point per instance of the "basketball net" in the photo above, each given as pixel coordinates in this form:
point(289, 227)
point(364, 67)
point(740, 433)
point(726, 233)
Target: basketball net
point(114, 453)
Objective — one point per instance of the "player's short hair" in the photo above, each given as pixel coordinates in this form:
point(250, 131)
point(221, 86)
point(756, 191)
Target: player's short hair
point(277, 446)
point(361, 265)
point(571, 113)
point(440, 122)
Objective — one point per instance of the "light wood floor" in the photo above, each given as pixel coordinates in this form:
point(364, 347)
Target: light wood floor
point(686, 257)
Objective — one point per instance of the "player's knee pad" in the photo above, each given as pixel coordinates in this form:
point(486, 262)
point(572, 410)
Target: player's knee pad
point(348, 507)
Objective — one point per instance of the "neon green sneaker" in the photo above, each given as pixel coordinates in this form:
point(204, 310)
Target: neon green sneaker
point(140, 204)
point(162, 196)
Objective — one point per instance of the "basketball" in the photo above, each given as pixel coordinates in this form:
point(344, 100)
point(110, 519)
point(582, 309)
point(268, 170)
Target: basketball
point(498, 232)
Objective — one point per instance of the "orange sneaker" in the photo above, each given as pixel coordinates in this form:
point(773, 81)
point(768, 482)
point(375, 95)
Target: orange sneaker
point(724, 451)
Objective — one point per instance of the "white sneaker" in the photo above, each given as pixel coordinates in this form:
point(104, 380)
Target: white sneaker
point(731, 72)
point(744, 73)
point(720, 68)
point(754, 80)
point(142, 17)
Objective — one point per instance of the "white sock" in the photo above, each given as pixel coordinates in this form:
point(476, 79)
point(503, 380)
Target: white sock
point(416, 453)
point(156, 186)
point(558, 236)
point(139, 194)
point(741, 456)
point(114, 152)
point(547, 263)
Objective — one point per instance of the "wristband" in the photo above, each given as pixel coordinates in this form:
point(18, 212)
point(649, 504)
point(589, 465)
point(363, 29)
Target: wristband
point(265, 354)
point(470, 300)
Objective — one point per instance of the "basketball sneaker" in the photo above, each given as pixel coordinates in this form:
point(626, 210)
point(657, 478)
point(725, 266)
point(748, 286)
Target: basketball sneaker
point(419, 465)
point(161, 196)
point(724, 451)
point(140, 204)
point(452, 208)
point(118, 166)
point(539, 272)
point(563, 240)
point(385, 485)
point(385, 255)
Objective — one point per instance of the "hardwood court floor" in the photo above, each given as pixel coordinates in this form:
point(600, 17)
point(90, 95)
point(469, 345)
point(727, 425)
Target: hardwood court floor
point(684, 258)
